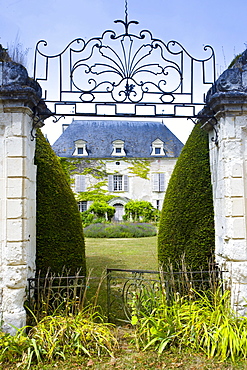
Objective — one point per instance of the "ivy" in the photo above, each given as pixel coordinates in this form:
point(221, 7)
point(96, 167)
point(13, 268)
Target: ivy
point(95, 193)
point(139, 167)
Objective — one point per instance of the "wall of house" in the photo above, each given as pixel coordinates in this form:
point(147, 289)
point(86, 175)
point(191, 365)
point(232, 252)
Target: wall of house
point(138, 188)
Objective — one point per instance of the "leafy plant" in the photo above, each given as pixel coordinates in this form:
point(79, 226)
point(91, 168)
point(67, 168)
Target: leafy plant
point(206, 324)
point(59, 336)
point(102, 209)
point(140, 209)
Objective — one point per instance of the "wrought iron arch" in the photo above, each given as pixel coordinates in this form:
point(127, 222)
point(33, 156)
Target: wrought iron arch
point(124, 75)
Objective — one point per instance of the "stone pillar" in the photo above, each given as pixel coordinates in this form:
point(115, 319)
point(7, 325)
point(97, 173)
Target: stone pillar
point(227, 100)
point(19, 99)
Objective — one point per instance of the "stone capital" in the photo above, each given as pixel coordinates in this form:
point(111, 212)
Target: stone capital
point(17, 89)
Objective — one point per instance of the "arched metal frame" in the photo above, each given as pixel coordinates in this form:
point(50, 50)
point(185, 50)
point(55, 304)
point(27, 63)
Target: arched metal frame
point(124, 75)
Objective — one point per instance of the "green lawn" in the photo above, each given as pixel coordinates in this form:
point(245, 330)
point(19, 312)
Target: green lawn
point(131, 253)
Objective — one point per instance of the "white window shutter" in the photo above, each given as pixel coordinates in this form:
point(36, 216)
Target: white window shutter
point(110, 183)
point(155, 182)
point(162, 181)
point(80, 183)
point(126, 183)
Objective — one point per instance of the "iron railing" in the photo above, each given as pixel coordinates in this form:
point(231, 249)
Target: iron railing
point(130, 291)
point(126, 291)
point(49, 293)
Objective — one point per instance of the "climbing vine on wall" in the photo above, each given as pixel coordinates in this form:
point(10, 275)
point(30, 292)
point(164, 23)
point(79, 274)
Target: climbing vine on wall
point(139, 167)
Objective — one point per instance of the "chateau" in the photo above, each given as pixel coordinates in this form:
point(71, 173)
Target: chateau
point(131, 159)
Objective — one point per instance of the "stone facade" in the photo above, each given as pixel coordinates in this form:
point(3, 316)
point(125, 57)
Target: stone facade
point(18, 97)
point(227, 100)
point(137, 188)
point(136, 159)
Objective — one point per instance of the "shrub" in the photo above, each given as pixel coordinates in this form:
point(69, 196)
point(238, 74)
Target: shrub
point(60, 240)
point(87, 218)
point(101, 209)
point(119, 230)
point(187, 218)
point(136, 209)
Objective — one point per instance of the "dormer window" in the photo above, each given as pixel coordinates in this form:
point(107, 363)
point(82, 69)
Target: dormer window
point(118, 148)
point(158, 148)
point(80, 148)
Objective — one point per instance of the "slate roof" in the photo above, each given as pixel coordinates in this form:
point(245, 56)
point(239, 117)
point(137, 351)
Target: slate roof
point(99, 135)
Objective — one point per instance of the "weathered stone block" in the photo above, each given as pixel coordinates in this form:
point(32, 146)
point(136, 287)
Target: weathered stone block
point(13, 299)
point(16, 167)
point(236, 187)
point(15, 253)
point(15, 277)
point(15, 147)
point(239, 228)
point(233, 250)
point(16, 230)
point(17, 187)
point(13, 320)
point(228, 128)
point(237, 169)
point(16, 208)
point(238, 207)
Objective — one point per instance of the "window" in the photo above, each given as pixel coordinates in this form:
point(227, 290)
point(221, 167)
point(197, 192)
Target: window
point(157, 204)
point(158, 147)
point(82, 206)
point(80, 185)
point(80, 148)
point(118, 183)
point(158, 182)
point(118, 148)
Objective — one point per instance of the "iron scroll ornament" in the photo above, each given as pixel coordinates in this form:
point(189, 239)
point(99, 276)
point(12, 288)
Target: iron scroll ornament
point(126, 72)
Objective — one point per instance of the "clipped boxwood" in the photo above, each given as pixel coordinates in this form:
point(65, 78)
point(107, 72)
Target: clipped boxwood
point(60, 240)
point(120, 230)
point(187, 218)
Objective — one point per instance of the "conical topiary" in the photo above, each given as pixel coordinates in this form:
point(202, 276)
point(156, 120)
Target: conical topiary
point(187, 218)
point(60, 240)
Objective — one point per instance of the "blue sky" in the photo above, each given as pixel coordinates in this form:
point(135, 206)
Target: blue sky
point(219, 23)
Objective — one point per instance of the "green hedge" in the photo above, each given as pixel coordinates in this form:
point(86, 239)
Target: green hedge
point(187, 219)
point(120, 230)
point(60, 240)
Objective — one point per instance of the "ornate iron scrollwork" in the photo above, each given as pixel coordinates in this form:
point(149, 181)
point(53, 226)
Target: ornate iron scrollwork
point(131, 74)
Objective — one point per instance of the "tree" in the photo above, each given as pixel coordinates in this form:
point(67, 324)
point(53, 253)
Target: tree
point(187, 218)
point(60, 240)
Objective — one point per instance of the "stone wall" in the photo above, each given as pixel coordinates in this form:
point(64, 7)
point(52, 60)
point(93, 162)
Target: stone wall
point(227, 101)
point(19, 110)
